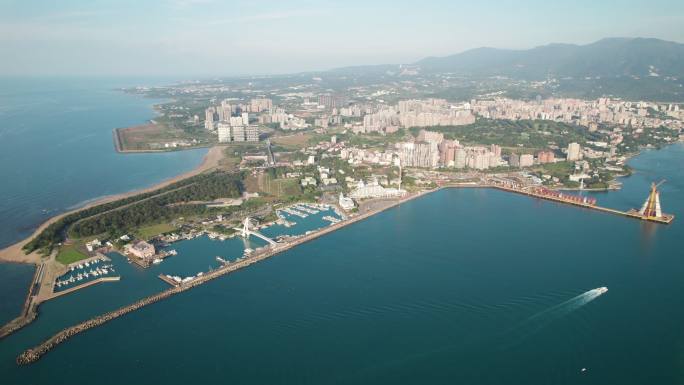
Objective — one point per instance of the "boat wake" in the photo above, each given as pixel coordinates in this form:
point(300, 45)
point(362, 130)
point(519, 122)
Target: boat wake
point(542, 319)
point(570, 305)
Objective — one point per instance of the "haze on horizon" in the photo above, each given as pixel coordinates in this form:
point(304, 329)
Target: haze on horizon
point(222, 38)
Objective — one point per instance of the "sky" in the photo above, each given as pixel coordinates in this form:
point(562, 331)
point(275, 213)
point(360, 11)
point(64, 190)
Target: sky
point(241, 37)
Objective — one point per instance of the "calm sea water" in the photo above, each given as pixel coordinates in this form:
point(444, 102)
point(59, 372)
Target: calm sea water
point(14, 282)
point(56, 148)
point(461, 286)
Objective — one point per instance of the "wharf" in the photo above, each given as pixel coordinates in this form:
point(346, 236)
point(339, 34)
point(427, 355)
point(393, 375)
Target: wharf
point(82, 286)
point(149, 261)
point(666, 219)
point(140, 262)
point(168, 280)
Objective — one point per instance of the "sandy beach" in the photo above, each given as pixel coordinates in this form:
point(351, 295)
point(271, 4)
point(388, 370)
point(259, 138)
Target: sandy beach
point(14, 252)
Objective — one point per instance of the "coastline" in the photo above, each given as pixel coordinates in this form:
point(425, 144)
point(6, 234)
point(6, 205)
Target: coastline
point(31, 355)
point(14, 252)
point(34, 353)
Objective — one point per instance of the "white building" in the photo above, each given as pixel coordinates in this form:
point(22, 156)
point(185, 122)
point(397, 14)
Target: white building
point(94, 244)
point(209, 118)
point(574, 151)
point(418, 154)
point(237, 133)
point(346, 203)
point(309, 181)
point(460, 155)
point(223, 132)
point(374, 190)
point(140, 249)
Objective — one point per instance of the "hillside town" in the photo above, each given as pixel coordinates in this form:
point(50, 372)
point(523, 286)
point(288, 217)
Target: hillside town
point(425, 134)
point(388, 119)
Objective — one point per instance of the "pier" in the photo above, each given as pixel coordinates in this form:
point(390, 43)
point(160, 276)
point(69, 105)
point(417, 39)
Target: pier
point(82, 286)
point(533, 191)
point(168, 280)
point(665, 219)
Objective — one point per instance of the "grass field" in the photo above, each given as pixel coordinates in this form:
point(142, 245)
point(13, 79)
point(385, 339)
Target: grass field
point(294, 141)
point(148, 136)
point(69, 254)
point(229, 160)
point(148, 232)
point(281, 187)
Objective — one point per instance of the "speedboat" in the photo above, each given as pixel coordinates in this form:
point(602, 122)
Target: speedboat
point(602, 289)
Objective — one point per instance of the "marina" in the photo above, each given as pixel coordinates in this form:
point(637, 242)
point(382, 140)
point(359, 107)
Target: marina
point(84, 271)
point(331, 219)
point(292, 211)
point(180, 284)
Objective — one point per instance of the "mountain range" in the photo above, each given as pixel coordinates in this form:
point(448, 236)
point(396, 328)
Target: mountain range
point(611, 57)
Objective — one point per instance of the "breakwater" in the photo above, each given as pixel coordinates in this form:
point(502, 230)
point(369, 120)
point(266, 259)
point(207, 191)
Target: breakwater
point(32, 355)
point(28, 311)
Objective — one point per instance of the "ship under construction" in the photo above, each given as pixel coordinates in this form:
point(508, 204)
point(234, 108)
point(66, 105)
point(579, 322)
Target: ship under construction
point(651, 210)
